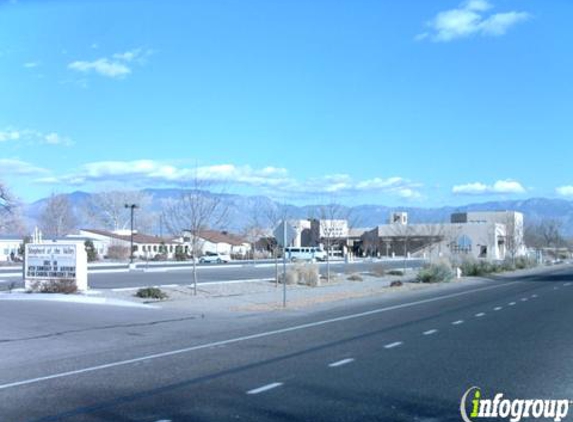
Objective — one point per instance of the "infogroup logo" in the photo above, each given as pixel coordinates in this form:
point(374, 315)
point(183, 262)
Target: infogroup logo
point(474, 407)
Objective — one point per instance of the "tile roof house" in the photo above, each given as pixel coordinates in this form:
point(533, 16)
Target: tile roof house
point(145, 246)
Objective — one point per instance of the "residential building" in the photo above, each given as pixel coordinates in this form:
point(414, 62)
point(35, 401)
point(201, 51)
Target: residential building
point(9, 246)
point(144, 246)
point(223, 242)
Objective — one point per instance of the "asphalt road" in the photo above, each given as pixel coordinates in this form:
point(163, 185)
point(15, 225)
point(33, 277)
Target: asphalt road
point(395, 358)
point(166, 275)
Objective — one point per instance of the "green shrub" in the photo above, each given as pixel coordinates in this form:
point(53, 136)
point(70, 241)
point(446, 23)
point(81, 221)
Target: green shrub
point(436, 273)
point(524, 262)
point(91, 251)
point(151, 293)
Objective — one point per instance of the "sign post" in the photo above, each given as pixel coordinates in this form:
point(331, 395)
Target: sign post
point(284, 234)
point(47, 263)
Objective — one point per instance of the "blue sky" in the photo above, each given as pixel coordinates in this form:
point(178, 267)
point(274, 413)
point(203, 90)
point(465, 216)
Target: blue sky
point(366, 101)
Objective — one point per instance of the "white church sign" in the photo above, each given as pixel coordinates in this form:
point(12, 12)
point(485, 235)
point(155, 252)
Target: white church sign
point(49, 262)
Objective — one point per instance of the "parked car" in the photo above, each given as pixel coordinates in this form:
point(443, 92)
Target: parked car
point(211, 257)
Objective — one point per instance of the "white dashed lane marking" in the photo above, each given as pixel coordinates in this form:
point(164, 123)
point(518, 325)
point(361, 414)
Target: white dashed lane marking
point(393, 345)
point(459, 322)
point(430, 332)
point(341, 363)
point(265, 388)
point(511, 303)
point(524, 299)
point(534, 296)
point(498, 308)
point(481, 314)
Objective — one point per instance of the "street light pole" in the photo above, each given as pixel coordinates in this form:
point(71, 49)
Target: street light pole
point(132, 208)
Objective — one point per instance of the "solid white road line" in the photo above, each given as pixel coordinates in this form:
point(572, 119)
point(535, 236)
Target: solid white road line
point(430, 332)
point(393, 345)
point(246, 338)
point(481, 314)
point(341, 363)
point(265, 388)
point(498, 308)
point(459, 322)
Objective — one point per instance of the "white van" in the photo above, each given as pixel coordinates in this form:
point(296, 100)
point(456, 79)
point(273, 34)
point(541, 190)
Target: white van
point(305, 254)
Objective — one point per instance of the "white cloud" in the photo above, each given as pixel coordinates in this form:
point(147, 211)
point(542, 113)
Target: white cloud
point(53, 138)
point(272, 179)
point(9, 135)
point(34, 136)
point(118, 66)
point(470, 18)
point(31, 65)
point(565, 190)
point(19, 168)
point(499, 187)
point(103, 66)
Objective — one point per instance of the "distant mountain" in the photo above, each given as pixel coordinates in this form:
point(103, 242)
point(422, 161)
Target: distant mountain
point(242, 210)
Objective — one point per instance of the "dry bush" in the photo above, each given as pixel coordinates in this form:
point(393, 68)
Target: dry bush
point(65, 286)
point(304, 274)
point(378, 270)
point(355, 277)
point(118, 252)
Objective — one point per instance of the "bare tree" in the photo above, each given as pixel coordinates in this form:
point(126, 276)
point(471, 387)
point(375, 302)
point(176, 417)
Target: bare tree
point(514, 233)
point(57, 218)
point(533, 236)
point(550, 231)
point(195, 211)
point(107, 209)
point(403, 233)
point(10, 218)
point(7, 201)
point(256, 229)
point(332, 228)
point(432, 237)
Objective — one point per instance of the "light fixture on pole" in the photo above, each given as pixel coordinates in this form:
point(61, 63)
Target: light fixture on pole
point(132, 208)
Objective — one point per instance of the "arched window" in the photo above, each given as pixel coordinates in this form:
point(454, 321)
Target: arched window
point(463, 245)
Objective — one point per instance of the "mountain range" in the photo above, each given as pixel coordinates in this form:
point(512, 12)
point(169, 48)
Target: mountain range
point(243, 209)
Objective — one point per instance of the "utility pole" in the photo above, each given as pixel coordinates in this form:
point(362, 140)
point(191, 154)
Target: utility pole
point(284, 263)
point(132, 208)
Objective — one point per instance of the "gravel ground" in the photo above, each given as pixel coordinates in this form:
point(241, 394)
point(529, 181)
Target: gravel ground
point(267, 296)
